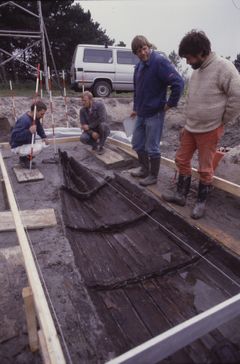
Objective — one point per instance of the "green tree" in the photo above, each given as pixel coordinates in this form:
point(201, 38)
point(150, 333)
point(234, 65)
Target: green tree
point(237, 62)
point(66, 23)
point(121, 44)
point(176, 60)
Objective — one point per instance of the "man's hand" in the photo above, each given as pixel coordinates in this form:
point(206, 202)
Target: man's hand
point(33, 129)
point(95, 135)
point(45, 140)
point(133, 114)
point(85, 127)
point(166, 107)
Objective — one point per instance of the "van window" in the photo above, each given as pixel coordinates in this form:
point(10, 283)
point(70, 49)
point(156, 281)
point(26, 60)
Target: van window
point(124, 57)
point(97, 56)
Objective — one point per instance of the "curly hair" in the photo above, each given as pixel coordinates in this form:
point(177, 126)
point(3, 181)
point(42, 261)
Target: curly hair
point(194, 43)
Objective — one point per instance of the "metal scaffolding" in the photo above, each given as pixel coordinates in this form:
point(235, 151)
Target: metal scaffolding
point(38, 37)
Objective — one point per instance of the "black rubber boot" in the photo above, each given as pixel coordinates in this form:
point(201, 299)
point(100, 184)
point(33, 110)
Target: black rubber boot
point(200, 206)
point(179, 197)
point(151, 179)
point(143, 170)
point(24, 162)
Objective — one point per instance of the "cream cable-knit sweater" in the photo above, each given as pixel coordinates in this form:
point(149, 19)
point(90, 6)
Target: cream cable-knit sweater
point(213, 95)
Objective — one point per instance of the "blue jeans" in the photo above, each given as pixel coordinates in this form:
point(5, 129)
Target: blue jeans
point(147, 134)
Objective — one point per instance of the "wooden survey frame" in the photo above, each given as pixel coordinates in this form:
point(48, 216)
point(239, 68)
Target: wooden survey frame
point(47, 327)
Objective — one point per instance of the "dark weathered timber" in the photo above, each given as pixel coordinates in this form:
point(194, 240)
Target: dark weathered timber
point(139, 269)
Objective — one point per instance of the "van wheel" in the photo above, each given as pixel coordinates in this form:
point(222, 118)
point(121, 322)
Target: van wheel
point(101, 89)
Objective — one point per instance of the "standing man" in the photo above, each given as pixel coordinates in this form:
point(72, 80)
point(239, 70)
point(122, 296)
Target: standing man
point(213, 100)
point(93, 119)
point(152, 76)
point(21, 134)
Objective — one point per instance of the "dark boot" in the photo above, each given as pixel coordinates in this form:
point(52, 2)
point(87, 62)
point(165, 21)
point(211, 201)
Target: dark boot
point(151, 179)
point(200, 206)
point(143, 170)
point(179, 197)
point(24, 162)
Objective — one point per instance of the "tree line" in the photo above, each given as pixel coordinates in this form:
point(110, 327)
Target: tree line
point(67, 25)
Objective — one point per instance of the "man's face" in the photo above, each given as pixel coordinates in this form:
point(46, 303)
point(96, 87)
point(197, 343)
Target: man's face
point(143, 53)
point(40, 114)
point(86, 101)
point(195, 61)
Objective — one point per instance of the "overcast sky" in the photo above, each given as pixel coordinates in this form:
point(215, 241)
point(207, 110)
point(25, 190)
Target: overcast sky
point(165, 22)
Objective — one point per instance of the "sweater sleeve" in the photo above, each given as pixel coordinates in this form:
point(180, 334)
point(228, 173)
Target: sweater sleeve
point(21, 132)
point(134, 85)
point(230, 84)
point(40, 130)
point(169, 75)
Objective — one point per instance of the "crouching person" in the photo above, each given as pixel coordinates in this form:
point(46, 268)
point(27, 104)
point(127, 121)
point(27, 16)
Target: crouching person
point(212, 101)
point(93, 120)
point(21, 135)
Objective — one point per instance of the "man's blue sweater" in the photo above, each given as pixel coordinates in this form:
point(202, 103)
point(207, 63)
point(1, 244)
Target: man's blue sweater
point(21, 134)
point(151, 81)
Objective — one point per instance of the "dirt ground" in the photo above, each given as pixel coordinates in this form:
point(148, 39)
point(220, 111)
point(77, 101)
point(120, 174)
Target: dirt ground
point(65, 281)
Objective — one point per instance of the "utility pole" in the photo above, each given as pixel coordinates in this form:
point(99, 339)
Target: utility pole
point(43, 45)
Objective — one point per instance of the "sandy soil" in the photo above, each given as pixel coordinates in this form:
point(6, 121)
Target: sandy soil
point(54, 253)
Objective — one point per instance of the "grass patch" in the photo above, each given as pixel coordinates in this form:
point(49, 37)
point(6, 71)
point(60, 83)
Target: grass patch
point(27, 89)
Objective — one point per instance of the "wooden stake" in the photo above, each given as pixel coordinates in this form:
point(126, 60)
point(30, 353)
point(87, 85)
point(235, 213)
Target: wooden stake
point(13, 101)
point(31, 318)
point(51, 109)
point(65, 98)
point(34, 115)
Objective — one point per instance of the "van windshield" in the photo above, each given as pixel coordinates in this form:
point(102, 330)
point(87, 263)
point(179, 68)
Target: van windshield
point(97, 56)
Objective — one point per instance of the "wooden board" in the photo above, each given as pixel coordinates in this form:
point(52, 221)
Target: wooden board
point(32, 219)
point(204, 225)
point(218, 182)
point(45, 319)
point(110, 157)
point(27, 175)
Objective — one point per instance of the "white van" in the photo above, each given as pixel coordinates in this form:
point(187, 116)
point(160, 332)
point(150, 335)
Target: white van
point(102, 69)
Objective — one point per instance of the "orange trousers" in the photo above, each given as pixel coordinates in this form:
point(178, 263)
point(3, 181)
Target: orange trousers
point(206, 145)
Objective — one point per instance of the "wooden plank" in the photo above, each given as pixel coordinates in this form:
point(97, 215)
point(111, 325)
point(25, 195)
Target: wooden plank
point(43, 347)
point(42, 310)
point(110, 158)
point(62, 140)
point(32, 219)
point(27, 175)
point(218, 182)
point(204, 225)
point(167, 343)
point(31, 318)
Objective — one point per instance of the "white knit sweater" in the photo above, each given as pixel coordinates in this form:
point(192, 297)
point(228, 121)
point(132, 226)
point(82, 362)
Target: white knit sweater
point(213, 96)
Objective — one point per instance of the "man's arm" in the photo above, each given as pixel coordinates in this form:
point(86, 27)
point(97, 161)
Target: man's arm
point(169, 75)
point(40, 130)
point(230, 83)
point(83, 121)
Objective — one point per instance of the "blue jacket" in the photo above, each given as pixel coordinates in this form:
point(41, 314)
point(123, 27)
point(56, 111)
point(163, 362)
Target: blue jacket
point(151, 81)
point(21, 135)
